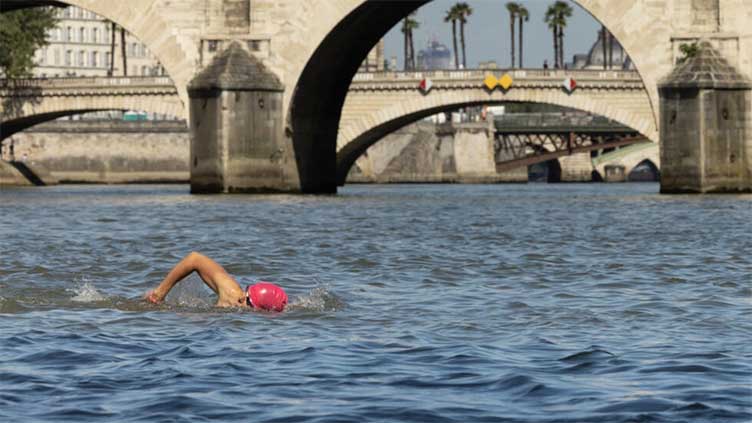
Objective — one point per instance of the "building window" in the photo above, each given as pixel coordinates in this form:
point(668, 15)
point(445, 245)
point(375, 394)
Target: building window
point(81, 59)
point(82, 35)
point(93, 59)
point(144, 70)
point(213, 45)
point(67, 12)
point(57, 56)
point(69, 58)
point(69, 34)
point(95, 35)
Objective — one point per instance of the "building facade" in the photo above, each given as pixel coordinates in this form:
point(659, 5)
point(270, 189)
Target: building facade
point(82, 45)
point(615, 56)
point(435, 56)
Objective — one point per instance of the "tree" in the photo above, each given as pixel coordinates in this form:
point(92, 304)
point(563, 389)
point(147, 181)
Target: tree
point(551, 19)
point(523, 15)
point(610, 49)
point(452, 16)
point(122, 50)
point(22, 33)
point(563, 11)
point(513, 9)
point(408, 25)
point(464, 11)
point(603, 45)
point(406, 39)
point(111, 70)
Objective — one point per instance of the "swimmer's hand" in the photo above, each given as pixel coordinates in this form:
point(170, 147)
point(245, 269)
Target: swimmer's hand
point(153, 297)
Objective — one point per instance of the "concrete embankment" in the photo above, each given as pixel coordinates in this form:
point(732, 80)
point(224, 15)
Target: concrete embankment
point(109, 152)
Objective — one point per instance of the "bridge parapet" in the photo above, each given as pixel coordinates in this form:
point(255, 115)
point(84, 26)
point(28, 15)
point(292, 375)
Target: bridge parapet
point(87, 82)
point(525, 78)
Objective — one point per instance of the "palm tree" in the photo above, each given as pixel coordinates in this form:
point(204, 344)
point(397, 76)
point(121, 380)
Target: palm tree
point(452, 16)
point(406, 36)
point(408, 25)
point(513, 9)
point(111, 70)
point(122, 50)
point(563, 11)
point(523, 15)
point(413, 25)
point(550, 19)
point(464, 11)
point(603, 44)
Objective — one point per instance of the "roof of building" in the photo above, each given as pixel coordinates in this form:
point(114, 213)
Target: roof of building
point(236, 69)
point(616, 52)
point(706, 69)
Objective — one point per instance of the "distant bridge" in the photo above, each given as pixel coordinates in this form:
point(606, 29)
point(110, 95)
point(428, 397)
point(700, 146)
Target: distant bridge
point(380, 103)
point(524, 139)
point(25, 103)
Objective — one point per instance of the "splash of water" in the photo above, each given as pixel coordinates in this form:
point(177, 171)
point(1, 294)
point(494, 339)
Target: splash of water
point(86, 292)
point(319, 299)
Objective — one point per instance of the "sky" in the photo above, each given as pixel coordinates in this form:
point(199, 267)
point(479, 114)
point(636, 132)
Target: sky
point(487, 32)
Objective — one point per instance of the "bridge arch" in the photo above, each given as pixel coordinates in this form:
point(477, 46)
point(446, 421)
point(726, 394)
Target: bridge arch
point(357, 136)
point(20, 113)
point(316, 104)
point(646, 170)
point(629, 157)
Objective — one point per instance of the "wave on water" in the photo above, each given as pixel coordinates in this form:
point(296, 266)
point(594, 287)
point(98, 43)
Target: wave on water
point(319, 299)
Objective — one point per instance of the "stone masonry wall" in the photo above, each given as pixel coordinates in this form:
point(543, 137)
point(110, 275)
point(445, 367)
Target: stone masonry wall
point(91, 153)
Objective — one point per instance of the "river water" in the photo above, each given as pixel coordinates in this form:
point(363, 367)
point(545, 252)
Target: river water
point(420, 303)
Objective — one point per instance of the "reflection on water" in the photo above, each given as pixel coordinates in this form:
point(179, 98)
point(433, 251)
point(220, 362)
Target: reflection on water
point(526, 303)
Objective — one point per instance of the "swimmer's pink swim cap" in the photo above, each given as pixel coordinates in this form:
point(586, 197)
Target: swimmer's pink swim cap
point(267, 296)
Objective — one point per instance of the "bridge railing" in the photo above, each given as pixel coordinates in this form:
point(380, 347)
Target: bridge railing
point(89, 81)
point(479, 74)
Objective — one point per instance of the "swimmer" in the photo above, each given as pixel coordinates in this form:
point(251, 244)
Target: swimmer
point(262, 295)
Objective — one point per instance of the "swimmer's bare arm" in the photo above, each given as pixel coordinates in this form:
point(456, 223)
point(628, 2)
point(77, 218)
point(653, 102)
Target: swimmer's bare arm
point(213, 275)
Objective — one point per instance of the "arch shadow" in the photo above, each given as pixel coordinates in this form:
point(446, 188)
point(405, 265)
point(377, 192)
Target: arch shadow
point(645, 171)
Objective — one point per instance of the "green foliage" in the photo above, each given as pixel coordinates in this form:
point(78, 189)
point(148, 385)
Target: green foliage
point(688, 51)
point(22, 32)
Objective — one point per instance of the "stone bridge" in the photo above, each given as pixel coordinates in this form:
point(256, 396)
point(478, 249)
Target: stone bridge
point(314, 49)
point(377, 103)
point(380, 103)
point(26, 103)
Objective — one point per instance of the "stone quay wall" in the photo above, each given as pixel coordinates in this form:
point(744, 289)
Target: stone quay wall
point(109, 152)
